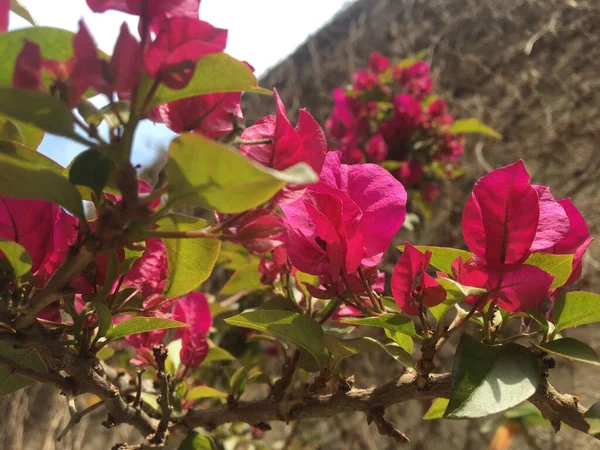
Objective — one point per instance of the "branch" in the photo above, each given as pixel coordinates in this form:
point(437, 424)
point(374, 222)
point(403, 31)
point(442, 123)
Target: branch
point(88, 380)
point(160, 356)
point(42, 377)
point(554, 406)
point(72, 267)
point(77, 418)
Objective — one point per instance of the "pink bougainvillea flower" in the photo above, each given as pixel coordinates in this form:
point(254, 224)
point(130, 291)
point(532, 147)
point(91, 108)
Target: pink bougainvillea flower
point(415, 80)
point(378, 63)
point(271, 270)
point(288, 145)
point(438, 112)
point(125, 64)
point(345, 221)
point(410, 173)
point(193, 309)
point(28, 68)
point(260, 231)
point(376, 148)
point(575, 242)
point(156, 11)
point(71, 79)
point(513, 288)
point(180, 43)
point(42, 228)
point(500, 219)
point(342, 119)
point(412, 285)
point(429, 192)
point(4, 13)
point(408, 115)
point(149, 272)
point(210, 115)
point(363, 80)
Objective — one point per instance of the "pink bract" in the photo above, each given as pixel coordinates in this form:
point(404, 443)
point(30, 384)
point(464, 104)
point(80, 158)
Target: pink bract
point(411, 284)
point(346, 220)
point(180, 43)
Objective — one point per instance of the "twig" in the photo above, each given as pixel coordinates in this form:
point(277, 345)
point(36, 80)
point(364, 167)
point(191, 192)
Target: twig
point(50, 377)
point(72, 267)
point(160, 355)
point(554, 406)
point(77, 418)
point(289, 369)
point(138, 396)
point(376, 304)
point(385, 427)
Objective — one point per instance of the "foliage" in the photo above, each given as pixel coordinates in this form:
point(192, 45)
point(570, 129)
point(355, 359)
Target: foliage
point(130, 282)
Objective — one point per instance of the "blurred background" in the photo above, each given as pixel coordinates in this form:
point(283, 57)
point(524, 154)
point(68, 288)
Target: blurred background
point(528, 68)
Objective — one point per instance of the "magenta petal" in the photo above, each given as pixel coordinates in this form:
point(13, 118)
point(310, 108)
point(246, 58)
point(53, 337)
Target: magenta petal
point(576, 241)
point(553, 225)
point(381, 198)
point(28, 67)
point(521, 289)
point(194, 310)
point(500, 218)
point(4, 13)
point(149, 272)
point(31, 224)
point(126, 64)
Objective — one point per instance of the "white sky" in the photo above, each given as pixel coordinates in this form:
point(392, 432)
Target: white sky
point(262, 32)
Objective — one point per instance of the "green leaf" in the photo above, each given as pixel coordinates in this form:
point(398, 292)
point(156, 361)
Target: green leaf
point(94, 116)
point(214, 73)
point(26, 357)
point(437, 409)
point(392, 322)
point(105, 353)
point(104, 318)
point(31, 175)
point(37, 108)
point(55, 43)
point(17, 256)
point(141, 325)
point(216, 354)
point(259, 378)
point(455, 292)
point(442, 257)
point(20, 132)
point(573, 350)
point(559, 266)
point(341, 349)
point(206, 173)
point(237, 382)
point(473, 125)
point(490, 379)
point(190, 261)
point(592, 417)
point(246, 277)
point(279, 303)
point(576, 308)
point(174, 352)
point(21, 11)
point(197, 441)
point(296, 328)
point(91, 169)
point(205, 392)
point(403, 340)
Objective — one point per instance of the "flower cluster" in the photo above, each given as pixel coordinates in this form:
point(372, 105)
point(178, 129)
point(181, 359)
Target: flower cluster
point(173, 39)
point(389, 116)
point(506, 222)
